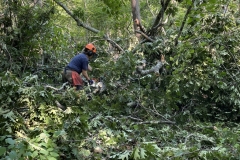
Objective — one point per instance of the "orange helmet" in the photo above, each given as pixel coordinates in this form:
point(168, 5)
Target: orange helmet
point(91, 47)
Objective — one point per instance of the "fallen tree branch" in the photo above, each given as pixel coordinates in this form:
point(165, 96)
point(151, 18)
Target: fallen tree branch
point(81, 24)
point(59, 105)
point(145, 36)
point(132, 104)
point(133, 118)
point(154, 122)
point(135, 103)
point(57, 89)
point(154, 69)
point(113, 43)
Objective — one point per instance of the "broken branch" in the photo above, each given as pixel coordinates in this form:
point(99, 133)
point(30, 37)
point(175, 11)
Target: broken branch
point(154, 69)
point(154, 122)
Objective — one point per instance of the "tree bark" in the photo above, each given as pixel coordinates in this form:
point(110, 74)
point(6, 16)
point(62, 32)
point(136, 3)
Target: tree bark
point(136, 17)
point(159, 19)
point(154, 69)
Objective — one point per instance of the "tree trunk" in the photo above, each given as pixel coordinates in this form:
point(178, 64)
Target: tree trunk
point(136, 17)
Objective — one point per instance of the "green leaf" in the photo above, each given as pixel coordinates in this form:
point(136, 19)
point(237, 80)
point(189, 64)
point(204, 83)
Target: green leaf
point(212, 1)
point(43, 151)
point(51, 158)
point(59, 133)
point(54, 154)
point(10, 141)
point(142, 153)
point(10, 115)
point(124, 155)
point(152, 148)
point(85, 152)
point(34, 154)
point(136, 154)
point(43, 135)
point(2, 150)
point(13, 155)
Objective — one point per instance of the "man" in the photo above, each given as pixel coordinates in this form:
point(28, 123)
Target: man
point(79, 64)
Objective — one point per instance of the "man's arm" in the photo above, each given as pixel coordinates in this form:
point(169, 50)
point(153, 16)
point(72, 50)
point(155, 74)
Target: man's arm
point(89, 68)
point(85, 74)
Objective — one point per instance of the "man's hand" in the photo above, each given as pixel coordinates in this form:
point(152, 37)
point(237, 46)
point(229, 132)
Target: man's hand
point(90, 82)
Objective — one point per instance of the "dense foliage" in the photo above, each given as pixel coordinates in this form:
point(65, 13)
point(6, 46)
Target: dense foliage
point(190, 110)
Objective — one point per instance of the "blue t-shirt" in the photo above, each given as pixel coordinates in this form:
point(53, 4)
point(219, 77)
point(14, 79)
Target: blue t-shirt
point(79, 63)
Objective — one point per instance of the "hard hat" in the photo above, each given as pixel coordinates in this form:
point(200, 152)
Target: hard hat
point(91, 47)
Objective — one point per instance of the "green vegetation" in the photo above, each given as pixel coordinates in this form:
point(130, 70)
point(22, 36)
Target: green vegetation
point(190, 110)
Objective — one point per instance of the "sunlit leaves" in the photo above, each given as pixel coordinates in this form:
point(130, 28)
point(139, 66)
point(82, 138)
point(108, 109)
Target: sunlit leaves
point(113, 6)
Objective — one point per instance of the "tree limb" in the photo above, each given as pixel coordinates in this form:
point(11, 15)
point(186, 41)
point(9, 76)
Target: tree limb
point(183, 23)
point(57, 89)
point(81, 24)
point(132, 104)
point(59, 105)
point(132, 118)
point(144, 35)
point(154, 122)
point(154, 69)
point(113, 43)
point(159, 17)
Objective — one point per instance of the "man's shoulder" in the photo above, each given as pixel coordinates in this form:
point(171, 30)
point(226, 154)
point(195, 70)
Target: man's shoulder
point(82, 55)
